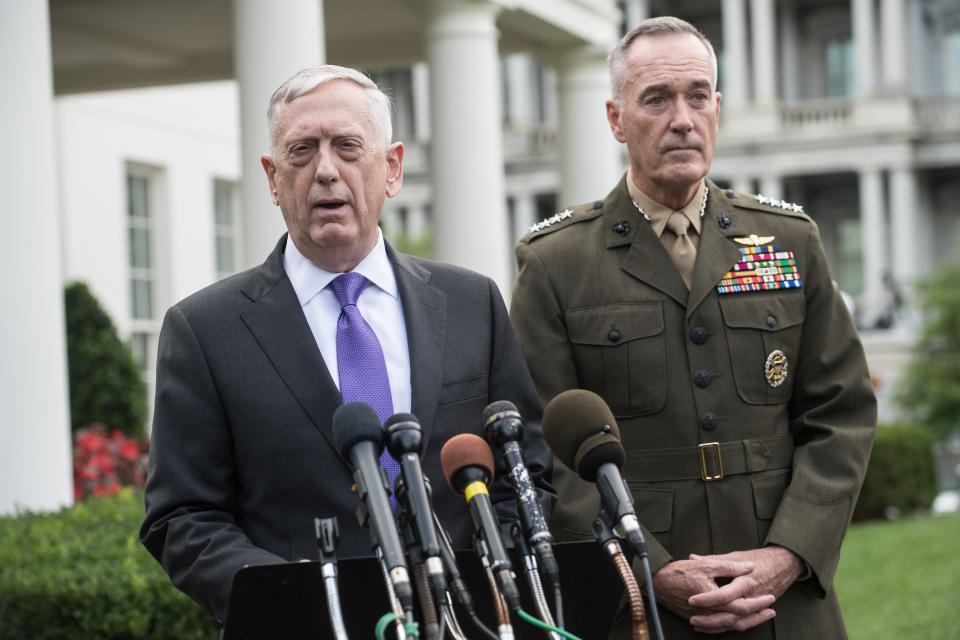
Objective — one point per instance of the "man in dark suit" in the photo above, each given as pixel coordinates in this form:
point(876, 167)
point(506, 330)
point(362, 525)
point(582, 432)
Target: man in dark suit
point(251, 369)
point(709, 322)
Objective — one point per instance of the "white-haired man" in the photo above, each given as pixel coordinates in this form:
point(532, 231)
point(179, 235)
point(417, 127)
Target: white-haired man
point(709, 323)
point(251, 369)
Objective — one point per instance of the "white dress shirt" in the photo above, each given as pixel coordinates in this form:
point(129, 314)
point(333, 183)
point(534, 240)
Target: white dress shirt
point(379, 304)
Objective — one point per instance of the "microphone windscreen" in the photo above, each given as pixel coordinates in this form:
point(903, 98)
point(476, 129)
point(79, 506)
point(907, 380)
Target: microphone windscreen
point(498, 407)
point(465, 450)
point(399, 417)
point(355, 422)
point(577, 424)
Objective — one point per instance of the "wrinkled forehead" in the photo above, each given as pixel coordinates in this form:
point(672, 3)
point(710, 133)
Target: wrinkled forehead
point(669, 58)
point(336, 106)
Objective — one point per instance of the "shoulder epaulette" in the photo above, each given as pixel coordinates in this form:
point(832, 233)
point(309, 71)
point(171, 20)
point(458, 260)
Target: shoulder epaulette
point(563, 219)
point(761, 202)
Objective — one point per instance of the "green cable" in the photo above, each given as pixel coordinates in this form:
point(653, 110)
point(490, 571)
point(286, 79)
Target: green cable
point(543, 625)
point(411, 629)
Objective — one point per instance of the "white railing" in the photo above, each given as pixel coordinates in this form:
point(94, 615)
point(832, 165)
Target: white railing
point(826, 113)
point(938, 112)
point(532, 141)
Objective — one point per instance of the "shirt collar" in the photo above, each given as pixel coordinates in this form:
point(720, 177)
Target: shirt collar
point(308, 279)
point(657, 213)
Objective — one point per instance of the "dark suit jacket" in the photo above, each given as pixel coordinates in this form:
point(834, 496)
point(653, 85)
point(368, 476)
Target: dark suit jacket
point(242, 456)
point(599, 305)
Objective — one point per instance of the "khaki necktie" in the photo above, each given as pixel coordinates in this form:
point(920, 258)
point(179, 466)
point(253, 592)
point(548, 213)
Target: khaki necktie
point(682, 250)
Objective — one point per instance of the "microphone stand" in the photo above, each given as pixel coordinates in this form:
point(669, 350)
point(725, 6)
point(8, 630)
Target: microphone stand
point(328, 536)
point(504, 628)
point(533, 577)
point(428, 607)
point(395, 605)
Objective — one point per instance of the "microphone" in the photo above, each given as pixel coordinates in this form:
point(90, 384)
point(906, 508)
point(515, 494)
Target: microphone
point(359, 438)
point(468, 467)
point(405, 441)
point(581, 430)
point(503, 428)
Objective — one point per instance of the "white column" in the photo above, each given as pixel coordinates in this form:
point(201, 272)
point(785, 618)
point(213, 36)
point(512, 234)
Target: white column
point(908, 231)
point(893, 19)
point(272, 41)
point(763, 30)
point(524, 214)
point(590, 160)
point(863, 18)
point(35, 467)
point(873, 234)
point(736, 81)
point(636, 12)
point(743, 184)
point(771, 186)
point(469, 206)
point(522, 84)
point(790, 62)
point(420, 77)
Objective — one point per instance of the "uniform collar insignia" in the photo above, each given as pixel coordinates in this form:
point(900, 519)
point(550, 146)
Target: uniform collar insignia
point(753, 240)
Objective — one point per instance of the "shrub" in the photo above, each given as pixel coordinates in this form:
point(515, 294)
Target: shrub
point(104, 462)
point(82, 573)
point(901, 477)
point(105, 383)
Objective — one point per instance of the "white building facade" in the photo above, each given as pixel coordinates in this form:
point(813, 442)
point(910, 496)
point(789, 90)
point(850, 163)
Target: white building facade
point(850, 107)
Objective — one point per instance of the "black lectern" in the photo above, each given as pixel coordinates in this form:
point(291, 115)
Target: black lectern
point(287, 601)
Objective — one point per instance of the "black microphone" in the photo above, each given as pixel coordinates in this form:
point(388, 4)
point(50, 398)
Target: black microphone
point(468, 467)
point(581, 430)
point(503, 428)
point(358, 437)
point(405, 441)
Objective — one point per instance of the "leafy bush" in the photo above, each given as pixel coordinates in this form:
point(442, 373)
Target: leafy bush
point(104, 462)
point(82, 573)
point(105, 383)
point(931, 387)
point(901, 477)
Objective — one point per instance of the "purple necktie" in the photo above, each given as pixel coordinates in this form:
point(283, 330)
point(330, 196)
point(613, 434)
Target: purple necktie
point(360, 364)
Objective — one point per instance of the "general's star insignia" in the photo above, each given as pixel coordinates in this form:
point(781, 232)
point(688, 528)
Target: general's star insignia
point(780, 204)
point(753, 240)
point(552, 220)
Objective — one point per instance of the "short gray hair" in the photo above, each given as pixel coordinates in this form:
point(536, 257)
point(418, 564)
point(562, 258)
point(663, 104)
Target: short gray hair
point(306, 80)
point(658, 26)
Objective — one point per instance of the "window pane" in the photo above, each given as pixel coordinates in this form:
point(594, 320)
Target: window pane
point(840, 68)
point(141, 298)
point(225, 259)
point(137, 204)
point(951, 63)
point(138, 346)
point(223, 203)
point(140, 248)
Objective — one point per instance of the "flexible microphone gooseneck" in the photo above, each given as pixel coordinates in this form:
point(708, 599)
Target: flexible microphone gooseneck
point(358, 437)
point(581, 430)
point(468, 467)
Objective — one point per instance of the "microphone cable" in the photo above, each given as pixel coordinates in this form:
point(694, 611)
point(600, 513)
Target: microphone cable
point(608, 540)
point(533, 576)
point(328, 536)
point(406, 625)
point(504, 628)
point(431, 625)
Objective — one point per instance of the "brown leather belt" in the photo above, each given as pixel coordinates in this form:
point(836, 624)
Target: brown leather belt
point(710, 461)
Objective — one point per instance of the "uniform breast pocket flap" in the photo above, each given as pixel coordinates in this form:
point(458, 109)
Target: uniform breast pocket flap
point(763, 334)
point(620, 353)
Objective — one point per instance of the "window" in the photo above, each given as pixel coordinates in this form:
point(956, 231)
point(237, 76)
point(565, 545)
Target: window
point(141, 263)
point(840, 68)
point(225, 228)
point(951, 63)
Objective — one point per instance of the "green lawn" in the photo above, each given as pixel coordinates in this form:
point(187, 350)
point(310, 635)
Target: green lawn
point(902, 579)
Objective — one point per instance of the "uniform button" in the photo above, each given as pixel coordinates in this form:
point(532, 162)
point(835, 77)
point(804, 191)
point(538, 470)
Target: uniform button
point(698, 335)
point(708, 421)
point(614, 335)
point(771, 320)
point(724, 222)
point(702, 379)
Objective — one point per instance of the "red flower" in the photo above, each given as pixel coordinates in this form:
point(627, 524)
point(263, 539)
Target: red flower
point(105, 462)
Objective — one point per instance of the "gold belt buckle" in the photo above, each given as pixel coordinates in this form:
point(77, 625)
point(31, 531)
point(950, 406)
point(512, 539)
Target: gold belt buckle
point(715, 447)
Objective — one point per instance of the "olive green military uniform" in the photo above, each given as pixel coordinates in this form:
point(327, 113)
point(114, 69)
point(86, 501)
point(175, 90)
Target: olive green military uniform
point(775, 377)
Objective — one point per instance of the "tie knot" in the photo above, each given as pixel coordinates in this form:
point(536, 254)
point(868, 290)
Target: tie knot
point(347, 287)
point(678, 223)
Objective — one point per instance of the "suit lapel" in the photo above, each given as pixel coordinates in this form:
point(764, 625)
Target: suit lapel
point(716, 254)
point(646, 259)
point(280, 328)
point(425, 312)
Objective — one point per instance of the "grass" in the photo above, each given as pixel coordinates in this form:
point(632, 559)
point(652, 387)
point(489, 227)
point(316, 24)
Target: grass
point(902, 579)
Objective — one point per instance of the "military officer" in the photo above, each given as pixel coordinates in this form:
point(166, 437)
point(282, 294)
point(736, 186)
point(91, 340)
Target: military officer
point(709, 323)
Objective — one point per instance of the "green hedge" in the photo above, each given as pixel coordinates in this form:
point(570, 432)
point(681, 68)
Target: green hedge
point(82, 573)
point(901, 477)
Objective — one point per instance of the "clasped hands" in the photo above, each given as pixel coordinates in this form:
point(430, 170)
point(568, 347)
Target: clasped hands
point(758, 577)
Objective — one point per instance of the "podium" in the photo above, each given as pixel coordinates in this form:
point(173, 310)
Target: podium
point(287, 601)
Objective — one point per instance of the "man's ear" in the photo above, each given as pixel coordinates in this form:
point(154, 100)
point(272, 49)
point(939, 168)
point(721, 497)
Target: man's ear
point(394, 168)
point(613, 118)
point(266, 161)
